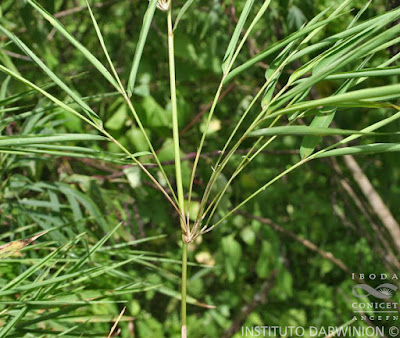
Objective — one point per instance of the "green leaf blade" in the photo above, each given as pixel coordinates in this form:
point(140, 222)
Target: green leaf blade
point(147, 19)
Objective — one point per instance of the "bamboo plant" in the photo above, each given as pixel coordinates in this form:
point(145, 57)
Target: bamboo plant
point(274, 111)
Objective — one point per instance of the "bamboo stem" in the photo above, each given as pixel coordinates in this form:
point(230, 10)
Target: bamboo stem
point(178, 170)
point(183, 289)
point(175, 128)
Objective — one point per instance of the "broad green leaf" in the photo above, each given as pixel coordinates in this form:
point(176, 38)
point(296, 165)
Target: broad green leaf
point(118, 119)
point(135, 136)
point(263, 265)
point(273, 73)
point(156, 115)
point(232, 255)
point(322, 120)
point(133, 174)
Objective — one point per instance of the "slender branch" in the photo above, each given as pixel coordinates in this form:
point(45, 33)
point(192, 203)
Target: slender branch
point(265, 110)
point(126, 151)
point(352, 137)
point(385, 249)
point(226, 72)
point(16, 55)
point(245, 161)
point(116, 170)
point(121, 89)
point(159, 165)
point(375, 201)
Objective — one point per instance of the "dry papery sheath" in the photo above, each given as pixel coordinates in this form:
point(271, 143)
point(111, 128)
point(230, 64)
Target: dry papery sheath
point(163, 5)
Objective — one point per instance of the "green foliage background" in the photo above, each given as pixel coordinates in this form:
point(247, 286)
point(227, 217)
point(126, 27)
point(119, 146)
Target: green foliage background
point(72, 196)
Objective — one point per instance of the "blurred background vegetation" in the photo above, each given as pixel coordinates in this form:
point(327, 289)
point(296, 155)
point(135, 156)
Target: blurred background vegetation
point(256, 269)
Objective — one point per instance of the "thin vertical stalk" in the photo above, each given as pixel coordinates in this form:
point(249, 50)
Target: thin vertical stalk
point(178, 169)
point(183, 290)
point(175, 128)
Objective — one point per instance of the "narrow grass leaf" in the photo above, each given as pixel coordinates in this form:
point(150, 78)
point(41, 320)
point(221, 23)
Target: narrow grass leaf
point(236, 34)
point(88, 204)
point(147, 19)
point(305, 130)
point(277, 46)
point(182, 11)
point(91, 114)
point(374, 148)
point(324, 119)
point(29, 140)
point(33, 269)
point(368, 72)
point(95, 248)
point(49, 96)
point(103, 45)
point(85, 52)
point(380, 21)
point(357, 95)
